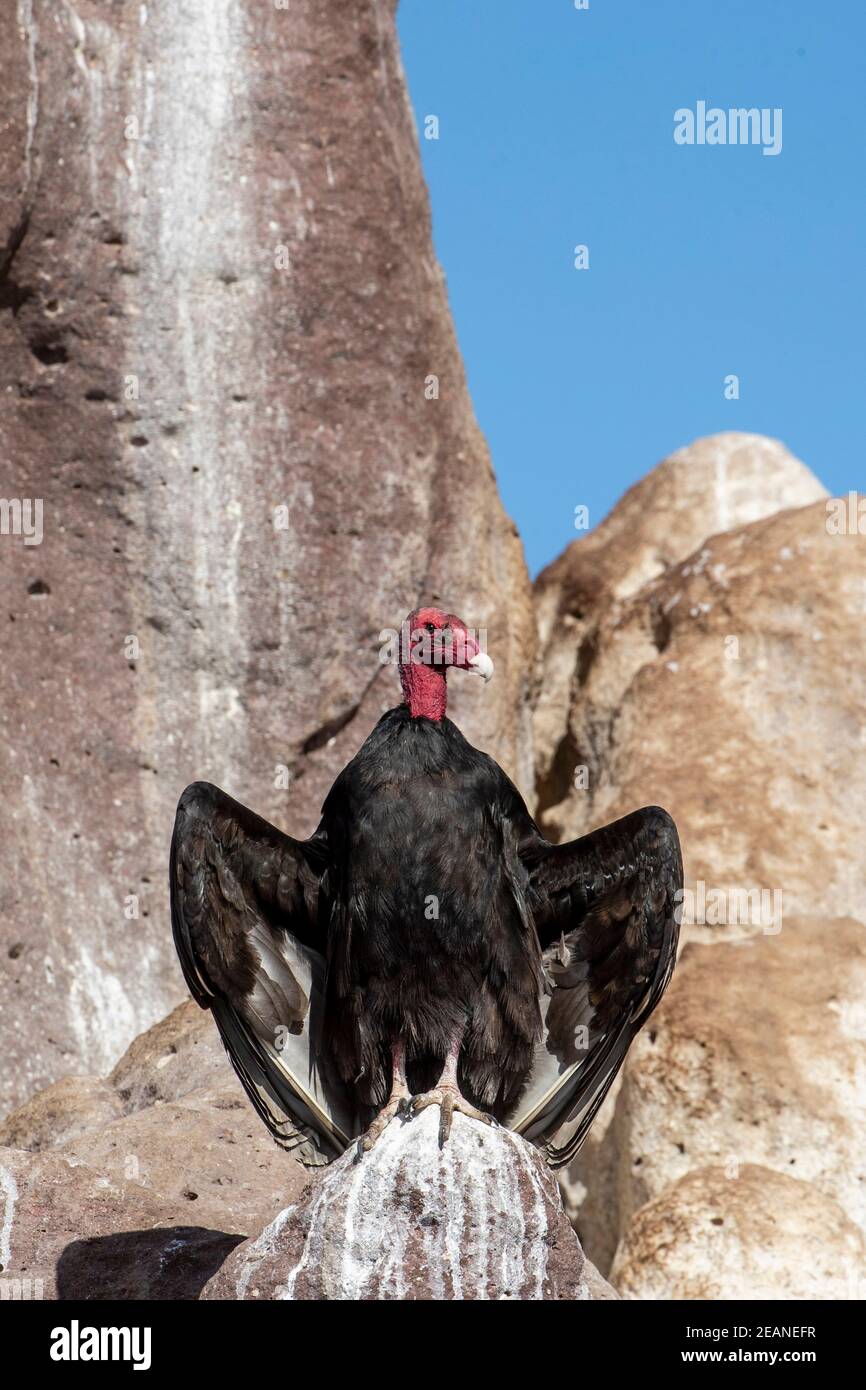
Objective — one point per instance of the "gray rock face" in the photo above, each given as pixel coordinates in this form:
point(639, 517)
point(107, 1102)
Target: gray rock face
point(220, 320)
point(479, 1218)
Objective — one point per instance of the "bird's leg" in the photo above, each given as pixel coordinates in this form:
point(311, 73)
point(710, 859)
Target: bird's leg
point(396, 1103)
point(448, 1096)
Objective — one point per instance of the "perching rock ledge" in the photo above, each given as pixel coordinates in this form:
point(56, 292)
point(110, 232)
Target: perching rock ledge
point(143, 1184)
point(479, 1218)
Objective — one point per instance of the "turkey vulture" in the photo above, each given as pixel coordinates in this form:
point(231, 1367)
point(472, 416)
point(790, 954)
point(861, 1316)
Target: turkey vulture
point(427, 945)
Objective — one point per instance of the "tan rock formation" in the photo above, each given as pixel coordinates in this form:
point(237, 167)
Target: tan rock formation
point(712, 485)
point(732, 691)
point(726, 681)
point(208, 1151)
point(61, 1113)
point(757, 1055)
point(179, 1054)
point(172, 1118)
point(759, 1235)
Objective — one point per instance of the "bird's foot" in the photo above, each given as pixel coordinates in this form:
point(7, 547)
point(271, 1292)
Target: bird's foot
point(449, 1099)
point(397, 1105)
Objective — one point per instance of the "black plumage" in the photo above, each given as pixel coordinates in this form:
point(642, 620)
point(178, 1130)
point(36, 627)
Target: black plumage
point(426, 923)
point(428, 937)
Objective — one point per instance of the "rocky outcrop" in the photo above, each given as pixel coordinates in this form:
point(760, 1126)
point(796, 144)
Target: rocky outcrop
point(69, 1232)
point(60, 1114)
point(727, 1162)
point(138, 1186)
point(756, 1056)
point(722, 676)
point(731, 690)
point(232, 385)
point(173, 1119)
point(713, 485)
point(755, 1234)
point(479, 1218)
point(239, 429)
point(151, 1202)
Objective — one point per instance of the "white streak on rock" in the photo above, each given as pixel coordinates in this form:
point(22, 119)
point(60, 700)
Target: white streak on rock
point(9, 1187)
point(194, 239)
point(363, 1253)
point(101, 1012)
point(471, 1219)
point(264, 1244)
point(27, 24)
point(536, 1253)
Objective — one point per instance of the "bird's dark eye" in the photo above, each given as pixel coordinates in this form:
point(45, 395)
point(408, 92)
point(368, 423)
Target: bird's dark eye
point(431, 627)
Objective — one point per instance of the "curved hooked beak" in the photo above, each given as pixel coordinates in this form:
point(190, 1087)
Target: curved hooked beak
point(482, 665)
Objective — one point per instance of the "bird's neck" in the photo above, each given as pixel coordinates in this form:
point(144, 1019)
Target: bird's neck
point(424, 690)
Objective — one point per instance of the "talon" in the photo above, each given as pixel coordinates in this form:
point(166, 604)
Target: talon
point(423, 1101)
point(395, 1107)
point(446, 1114)
point(449, 1100)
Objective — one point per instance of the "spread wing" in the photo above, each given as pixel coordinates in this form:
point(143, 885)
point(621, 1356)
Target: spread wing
point(605, 908)
point(248, 912)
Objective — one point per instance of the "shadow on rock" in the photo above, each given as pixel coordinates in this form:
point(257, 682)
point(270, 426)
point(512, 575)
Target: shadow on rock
point(171, 1262)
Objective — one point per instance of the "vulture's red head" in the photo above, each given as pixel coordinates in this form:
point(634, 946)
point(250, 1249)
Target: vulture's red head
point(430, 642)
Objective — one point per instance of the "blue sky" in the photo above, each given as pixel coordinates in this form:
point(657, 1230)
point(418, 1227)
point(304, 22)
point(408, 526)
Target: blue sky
point(556, 129)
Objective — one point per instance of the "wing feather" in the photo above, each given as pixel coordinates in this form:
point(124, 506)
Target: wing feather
point(605, 908)
point(247, 904)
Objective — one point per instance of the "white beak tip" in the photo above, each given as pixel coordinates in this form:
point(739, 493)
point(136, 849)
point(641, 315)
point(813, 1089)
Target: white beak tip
point(483, 665)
